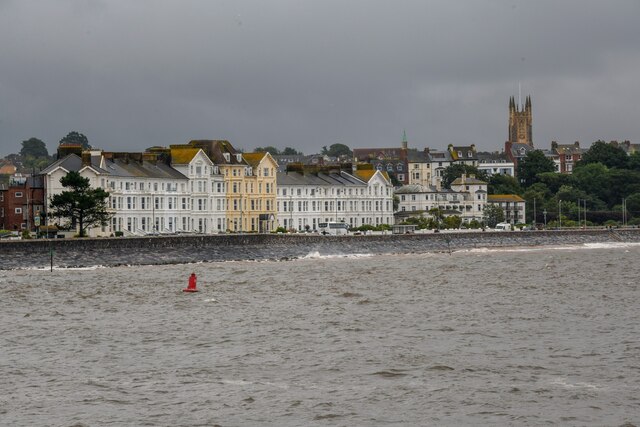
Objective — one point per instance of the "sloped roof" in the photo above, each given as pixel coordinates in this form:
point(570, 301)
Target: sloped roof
point(253, 159)
point(468, 180)
point(183, 154)
point(122, 168)
point(367, 174)
point(415, 188)
point(504, 198)
point(468, 152)
point(72, 162)
point(320, 179)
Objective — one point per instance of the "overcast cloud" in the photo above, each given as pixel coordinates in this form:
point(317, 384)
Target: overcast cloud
point(305, 74)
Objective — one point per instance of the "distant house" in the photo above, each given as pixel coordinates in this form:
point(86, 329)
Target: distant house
point(496, 164)
point(7, 168)
point(512, 205)
point(21, 203)
point(465, 155)
point(568, 155)
point(393, 161)
point(627, 146)
point(516, 152)
point(466, 199)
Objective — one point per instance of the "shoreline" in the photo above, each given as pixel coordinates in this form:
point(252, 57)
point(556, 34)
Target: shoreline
point(163, 250)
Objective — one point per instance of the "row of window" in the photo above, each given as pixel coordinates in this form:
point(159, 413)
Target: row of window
point(312, 223)
point(377, 190)
point(330, 206)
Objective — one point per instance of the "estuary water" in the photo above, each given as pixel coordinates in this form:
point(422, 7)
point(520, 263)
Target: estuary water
point(529, 336)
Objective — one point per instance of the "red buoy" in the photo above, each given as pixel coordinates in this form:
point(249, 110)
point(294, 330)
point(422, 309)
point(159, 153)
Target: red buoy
point(192, 284)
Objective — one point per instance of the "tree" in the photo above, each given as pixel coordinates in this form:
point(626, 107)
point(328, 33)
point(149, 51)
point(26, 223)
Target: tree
point(493, 214)
point(81, 204)
point(503, 184)
point(607, 154)
point(634, 161)
point(35, 148)
point(633, 205)
point(554, 180)
point(533, 164)
point(76, 138)
point(454, 171)
point(337, 150)
point(452, 222)
point(268, 149)
point(288, 151)
point(595, 180)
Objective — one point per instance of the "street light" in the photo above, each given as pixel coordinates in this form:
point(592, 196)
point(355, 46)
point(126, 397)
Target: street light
point(545, 218)
point(560, 214)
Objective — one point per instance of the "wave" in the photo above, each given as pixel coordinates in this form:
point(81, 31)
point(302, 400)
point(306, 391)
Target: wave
point(317, 255)
point(63, 268)
point(569, 247)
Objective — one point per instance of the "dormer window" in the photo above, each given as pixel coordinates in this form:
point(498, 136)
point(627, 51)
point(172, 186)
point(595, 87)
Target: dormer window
point(227, 157)
point(459, 153)
point(470, 154)
point(239, 157)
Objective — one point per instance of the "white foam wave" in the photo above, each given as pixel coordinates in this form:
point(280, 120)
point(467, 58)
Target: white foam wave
point(63, 268)
point(317, 255)
point(562, 382)
point(581, 246)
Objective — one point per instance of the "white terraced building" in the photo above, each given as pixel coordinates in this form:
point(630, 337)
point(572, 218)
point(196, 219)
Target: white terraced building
point(207, 190)
point(466, 198)
point(146, 194)
point(306, 199)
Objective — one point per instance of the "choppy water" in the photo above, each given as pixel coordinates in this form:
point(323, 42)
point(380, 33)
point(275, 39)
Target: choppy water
point(487, 337)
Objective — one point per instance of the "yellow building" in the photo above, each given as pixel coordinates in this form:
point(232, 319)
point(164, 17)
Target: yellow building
point(249, 180)
point(261, 197)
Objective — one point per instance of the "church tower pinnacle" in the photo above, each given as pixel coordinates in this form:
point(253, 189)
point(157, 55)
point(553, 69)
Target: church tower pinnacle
point(520, 122)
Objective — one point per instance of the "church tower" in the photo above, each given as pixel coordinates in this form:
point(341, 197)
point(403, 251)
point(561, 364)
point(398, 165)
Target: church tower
point(520, 122)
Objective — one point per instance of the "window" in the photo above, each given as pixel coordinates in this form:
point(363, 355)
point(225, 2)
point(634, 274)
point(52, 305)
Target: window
point(18, 210)
point(266, 172)
point(18, 193)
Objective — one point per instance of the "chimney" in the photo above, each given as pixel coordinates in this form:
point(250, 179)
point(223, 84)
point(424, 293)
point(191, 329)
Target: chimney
point(86, 158)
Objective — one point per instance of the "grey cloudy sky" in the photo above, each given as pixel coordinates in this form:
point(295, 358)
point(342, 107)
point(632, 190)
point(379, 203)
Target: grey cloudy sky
point(305, 74)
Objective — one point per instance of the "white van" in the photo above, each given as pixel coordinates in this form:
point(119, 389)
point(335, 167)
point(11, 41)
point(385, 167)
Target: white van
point(333, 228)
point(503, 226)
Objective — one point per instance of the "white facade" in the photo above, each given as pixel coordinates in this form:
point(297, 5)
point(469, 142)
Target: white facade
point(206, 196)
point(468, 198)
point(497, 168)
point(305, 200)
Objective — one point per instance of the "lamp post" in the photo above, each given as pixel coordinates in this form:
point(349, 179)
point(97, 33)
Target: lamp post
point(544, 212)
point(560, 214)
point(579, 201)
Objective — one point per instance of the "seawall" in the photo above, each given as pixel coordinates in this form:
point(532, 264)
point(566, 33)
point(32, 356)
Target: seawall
point(229, 247)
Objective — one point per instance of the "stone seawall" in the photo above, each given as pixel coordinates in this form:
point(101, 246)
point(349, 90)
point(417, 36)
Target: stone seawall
point(229, 247)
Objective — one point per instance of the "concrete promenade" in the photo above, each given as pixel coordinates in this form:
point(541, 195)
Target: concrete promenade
point(236, 247)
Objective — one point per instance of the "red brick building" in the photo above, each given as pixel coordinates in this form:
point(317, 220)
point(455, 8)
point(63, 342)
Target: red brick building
point(21, 203)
